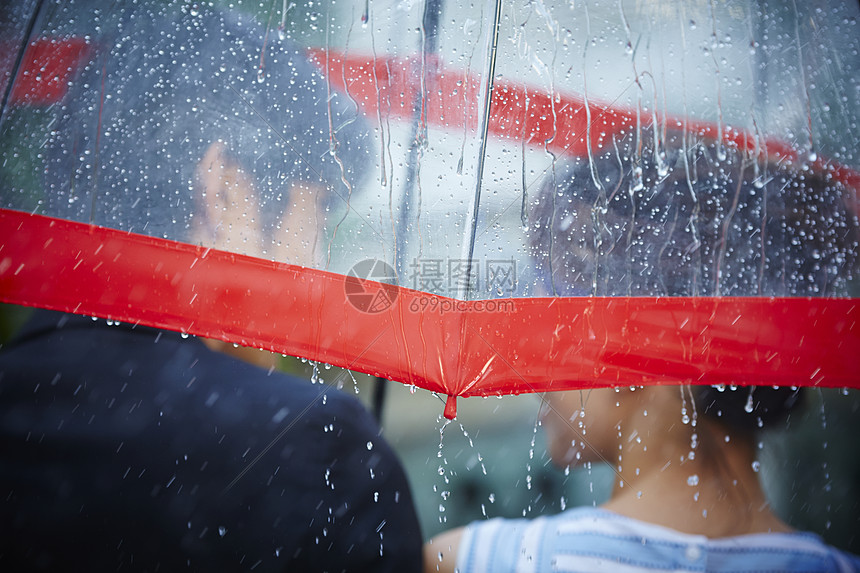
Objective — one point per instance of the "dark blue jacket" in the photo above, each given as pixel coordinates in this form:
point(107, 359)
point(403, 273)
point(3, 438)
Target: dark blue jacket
point(128, 448)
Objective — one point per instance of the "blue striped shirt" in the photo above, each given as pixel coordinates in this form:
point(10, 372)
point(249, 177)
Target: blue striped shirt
point(595, 540)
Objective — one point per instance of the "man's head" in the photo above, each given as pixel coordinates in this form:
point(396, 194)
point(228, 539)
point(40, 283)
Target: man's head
point(165, 84)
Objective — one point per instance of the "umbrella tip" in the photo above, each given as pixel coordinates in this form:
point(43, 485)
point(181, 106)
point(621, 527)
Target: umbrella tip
point(450, 407)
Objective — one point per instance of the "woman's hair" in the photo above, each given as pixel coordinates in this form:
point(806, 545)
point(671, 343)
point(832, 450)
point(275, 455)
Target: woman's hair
point(748, 410)
point(711, 223)
point(705, 228)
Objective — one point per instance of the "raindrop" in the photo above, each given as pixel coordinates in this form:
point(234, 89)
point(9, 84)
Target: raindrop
point(369, 446)
point(638, 183)
point(756, 466)
point(693, 480)
point(261, 75)
point(748, 408)
point(222, 531)
point(662, 165)
point(354, 381)
point(282, 33)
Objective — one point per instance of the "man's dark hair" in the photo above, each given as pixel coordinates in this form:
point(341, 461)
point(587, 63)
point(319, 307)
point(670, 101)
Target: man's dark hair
point(166, 80)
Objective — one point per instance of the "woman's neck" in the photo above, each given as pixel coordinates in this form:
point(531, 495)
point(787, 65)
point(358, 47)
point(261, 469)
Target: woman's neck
point(704, 486)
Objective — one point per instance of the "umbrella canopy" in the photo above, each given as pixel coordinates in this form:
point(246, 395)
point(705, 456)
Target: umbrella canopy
point(485, 199)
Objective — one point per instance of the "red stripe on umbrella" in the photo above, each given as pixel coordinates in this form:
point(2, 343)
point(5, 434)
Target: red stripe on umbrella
point(386, 84)
point(459, 348)
point(46, 69)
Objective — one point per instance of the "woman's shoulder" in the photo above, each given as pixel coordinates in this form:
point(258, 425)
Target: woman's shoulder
point(595, 539)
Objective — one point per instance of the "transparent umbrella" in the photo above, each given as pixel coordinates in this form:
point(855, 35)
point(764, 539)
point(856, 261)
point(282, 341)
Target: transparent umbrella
point(481, 199)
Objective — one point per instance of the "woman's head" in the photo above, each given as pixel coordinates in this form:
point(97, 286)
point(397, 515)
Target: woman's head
point(694, 226)
point(702, 228)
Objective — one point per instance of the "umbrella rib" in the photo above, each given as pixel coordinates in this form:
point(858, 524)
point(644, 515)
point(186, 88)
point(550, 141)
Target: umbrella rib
point(19, 58)
point(485, 128)
point(563, 153)
point(304, 159)
point(301, 414)
point(556, 412)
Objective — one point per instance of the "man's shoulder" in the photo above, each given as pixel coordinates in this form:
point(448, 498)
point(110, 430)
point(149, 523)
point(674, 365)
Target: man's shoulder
point(179, 372)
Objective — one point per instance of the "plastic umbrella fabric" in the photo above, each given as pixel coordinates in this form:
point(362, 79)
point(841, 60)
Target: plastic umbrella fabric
point(476, 200)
